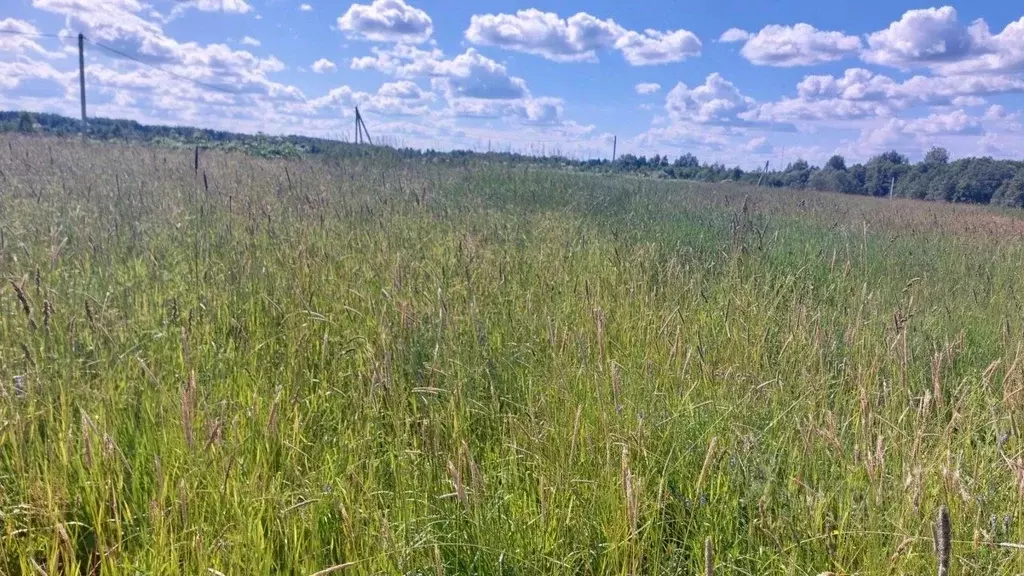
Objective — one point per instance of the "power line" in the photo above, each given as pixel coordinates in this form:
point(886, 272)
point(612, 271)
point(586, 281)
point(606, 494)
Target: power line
point(32, 34)
point(164, 70)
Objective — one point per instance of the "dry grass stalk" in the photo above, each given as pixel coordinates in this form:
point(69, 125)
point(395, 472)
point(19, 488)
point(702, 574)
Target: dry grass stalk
point(188, 399)
point(86, 426)
point(23, 299)
point(629, 491)
point(600, 321)
point(707, 465)
point(460, 488)
point(438, 564)
point(709, 557)
point(616, 370)
point(575, 434)
point(333, 569)
point(272, 419)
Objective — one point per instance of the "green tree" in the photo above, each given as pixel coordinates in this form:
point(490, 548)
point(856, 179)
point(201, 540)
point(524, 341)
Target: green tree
point(936, 156)
point(1011, 192)
point(26, 124)
point(836, 162)
point(882, 170)
point(829, 179)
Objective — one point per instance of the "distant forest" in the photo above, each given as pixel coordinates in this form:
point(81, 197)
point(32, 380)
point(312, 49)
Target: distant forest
point(973, 180)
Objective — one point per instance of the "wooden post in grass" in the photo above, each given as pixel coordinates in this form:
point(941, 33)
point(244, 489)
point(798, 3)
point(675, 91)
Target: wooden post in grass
point(763, 173)
point(942, 540)
point(81, 74)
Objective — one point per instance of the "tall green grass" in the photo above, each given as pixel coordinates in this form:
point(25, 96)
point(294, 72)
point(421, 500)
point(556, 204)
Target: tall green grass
point(416, 369)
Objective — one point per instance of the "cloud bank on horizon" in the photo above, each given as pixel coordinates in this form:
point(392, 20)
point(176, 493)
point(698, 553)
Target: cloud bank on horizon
point(664, 81)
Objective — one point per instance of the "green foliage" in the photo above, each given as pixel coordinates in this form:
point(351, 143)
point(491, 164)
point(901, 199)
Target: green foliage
point(1011, 192)
point(26, 125)
point(836, 162)
point(882, 171)
point(936, 156)
point(833, 180)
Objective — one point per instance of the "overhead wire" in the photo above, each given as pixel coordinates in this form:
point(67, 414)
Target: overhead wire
point(138, 60)
point(33, 34)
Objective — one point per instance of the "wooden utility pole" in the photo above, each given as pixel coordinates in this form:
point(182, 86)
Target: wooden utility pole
point(763, 172)
point(358, 129)
point(615, 144)
point(81, 74)
point(361, 131)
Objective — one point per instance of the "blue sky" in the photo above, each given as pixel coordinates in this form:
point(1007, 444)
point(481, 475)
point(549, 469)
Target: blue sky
point(730, 81)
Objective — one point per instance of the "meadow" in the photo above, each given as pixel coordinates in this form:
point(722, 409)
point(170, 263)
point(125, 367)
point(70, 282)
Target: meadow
point(381, 366)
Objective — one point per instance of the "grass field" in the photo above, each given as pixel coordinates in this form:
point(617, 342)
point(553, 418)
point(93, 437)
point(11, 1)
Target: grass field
point(389, 368)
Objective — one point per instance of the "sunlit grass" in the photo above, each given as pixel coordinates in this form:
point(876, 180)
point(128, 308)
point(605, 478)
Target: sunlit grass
point(399, 368)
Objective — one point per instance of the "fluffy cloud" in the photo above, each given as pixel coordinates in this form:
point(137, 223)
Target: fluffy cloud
point(472, 84)
point(473, 75)
point(16, 74)
point(118, 23)
point(831, 109)
point(225, 6)
point(862, 94)
point(545, 34)
point(541, 111)
point(250, 41)
point(402, 98)
point(734, 35)
point(229, 6)
point(469, 74)
point(16, 38)
point(758, 145)
point(934, 38)
point(860, 84)
point(386, 21)
point(578, 38)
point(798, 45)
point(324, 65)
point(403, 90)
point(305, 8)
point(654, 47)
point(957, 123)
point(716, 101)
point(647, 88)
point(928, 36)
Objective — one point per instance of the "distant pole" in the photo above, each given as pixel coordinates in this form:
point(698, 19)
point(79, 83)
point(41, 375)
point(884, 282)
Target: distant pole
point(615, 144)
point(763, 173)
point(81, 73)
point(358, 134)
point(366, 133)
point(892, 184)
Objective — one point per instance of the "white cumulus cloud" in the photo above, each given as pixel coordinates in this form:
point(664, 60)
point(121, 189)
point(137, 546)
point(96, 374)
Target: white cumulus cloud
point(926, 36)
point(386, 21)
point(647, 88)
point(797, 45)
point(324, 65)
point(734, 35)
point(716, 101)
point(578, 38)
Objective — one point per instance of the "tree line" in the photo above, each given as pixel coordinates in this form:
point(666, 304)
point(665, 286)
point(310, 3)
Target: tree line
point(979, 180)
